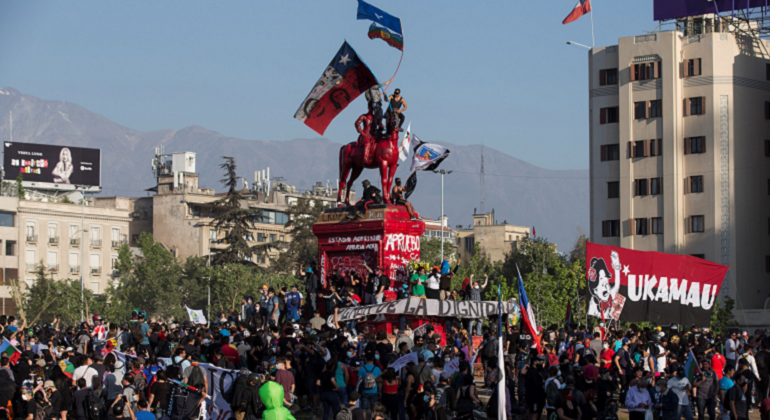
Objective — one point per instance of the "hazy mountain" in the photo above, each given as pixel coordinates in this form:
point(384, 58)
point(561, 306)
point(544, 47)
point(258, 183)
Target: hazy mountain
point(555, 202)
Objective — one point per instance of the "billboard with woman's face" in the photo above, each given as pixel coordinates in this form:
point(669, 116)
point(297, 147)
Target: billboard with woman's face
point(58, 167)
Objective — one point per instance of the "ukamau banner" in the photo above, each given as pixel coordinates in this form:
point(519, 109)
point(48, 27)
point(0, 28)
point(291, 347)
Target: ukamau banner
point(636, 286)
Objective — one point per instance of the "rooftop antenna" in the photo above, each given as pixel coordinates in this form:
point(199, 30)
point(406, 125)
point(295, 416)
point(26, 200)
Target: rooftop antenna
point(481, 181)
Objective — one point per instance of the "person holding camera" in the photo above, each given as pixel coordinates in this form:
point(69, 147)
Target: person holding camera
point(705, 390)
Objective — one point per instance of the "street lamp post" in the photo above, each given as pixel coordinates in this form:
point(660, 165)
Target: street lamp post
point(82, 253)
point(442, 172)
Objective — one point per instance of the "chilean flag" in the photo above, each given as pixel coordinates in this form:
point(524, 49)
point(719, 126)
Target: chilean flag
point(527, 316)
point(582, 7)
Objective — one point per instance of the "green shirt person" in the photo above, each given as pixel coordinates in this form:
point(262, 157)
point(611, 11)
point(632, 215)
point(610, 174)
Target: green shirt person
point(418, 281)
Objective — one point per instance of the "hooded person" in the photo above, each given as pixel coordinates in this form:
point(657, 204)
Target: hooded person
point(271, 394)
point(371, 195)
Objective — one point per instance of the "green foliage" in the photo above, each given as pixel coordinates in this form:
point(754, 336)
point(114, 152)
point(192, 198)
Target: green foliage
point(551, 280)
point(48, 299)
point(235, 222)
point(722, 316)
point(66, 200)
point(303, 247)
point(231, 282)
point(430, 251)
point(19, 188)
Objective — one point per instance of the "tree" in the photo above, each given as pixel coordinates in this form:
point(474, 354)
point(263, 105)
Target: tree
point(722, 316)
point(236, 222)
point(303, 247)
point(48, 299)
point(430, 251)
point(19, 188)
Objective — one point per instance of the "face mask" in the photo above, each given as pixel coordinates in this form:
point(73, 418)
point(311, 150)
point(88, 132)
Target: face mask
point(657, 388)
point(308, 329)
point(426, 398)
point(476, 287)
point(606, 346)
point(430, 364)
point(350, 354)
point(376, 357)
point(558, 373)
point(447, 360)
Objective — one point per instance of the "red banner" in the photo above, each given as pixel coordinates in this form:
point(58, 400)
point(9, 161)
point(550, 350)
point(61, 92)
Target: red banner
point(636, 286)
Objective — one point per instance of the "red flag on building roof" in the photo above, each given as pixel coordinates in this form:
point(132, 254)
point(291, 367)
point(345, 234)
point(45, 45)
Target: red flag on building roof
point(581, 8)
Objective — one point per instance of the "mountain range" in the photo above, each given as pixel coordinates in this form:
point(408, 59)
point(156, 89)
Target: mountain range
point(555, 202)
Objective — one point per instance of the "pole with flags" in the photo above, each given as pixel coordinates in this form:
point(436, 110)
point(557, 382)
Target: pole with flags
point(501, 414)
point(527, 316)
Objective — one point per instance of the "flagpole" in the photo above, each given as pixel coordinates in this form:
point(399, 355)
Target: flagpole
point(593, 42)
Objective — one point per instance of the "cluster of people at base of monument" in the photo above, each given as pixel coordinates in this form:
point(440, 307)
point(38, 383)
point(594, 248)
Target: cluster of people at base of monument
point(373, 195)
point(101, 370)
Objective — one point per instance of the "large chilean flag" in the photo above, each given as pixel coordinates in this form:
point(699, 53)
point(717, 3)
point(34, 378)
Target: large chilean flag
point(582, 7)
point(345, 78)
point(527, 316)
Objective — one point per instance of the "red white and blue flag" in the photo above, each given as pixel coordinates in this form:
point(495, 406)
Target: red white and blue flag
point(527, 316)
point(345, 78)
point(582, 7)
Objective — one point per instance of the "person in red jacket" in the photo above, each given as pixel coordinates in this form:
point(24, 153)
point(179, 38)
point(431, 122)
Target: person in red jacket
point(231, 354)
point(717, 361)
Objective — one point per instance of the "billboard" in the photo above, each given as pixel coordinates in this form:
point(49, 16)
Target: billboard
point(53, 167)
point(674, 9)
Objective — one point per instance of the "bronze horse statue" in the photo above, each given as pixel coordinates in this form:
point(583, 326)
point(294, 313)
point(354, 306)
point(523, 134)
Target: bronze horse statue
point(383, 154)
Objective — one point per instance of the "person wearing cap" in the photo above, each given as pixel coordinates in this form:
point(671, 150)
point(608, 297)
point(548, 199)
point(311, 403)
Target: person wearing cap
point(311, 284)
point(738, 399)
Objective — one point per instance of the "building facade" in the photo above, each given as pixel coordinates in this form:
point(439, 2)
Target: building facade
point(495, 239)
point(679, 152)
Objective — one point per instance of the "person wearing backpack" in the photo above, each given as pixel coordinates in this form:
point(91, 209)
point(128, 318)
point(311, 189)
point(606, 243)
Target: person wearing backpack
point(552, 390)
point(349, 411)
point(328, 386)
point(368, 375)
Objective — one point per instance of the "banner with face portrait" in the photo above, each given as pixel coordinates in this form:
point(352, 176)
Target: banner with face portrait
point(636, 286)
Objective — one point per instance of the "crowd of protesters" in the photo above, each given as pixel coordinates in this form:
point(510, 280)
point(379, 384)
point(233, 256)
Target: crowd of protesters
point(343, 371)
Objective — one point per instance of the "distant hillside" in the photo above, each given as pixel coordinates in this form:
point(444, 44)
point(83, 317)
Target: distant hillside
point(555, 202)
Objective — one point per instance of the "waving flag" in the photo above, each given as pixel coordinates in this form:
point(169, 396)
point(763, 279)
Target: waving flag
point(427, 156)
point(500, 360)
point(403, 150)
point(691, 367)
point(527, 316)
point(394, 40)
point(368, 12)
point(8, 350)
point(345, 79)
point(582, 7)
point(67, 368)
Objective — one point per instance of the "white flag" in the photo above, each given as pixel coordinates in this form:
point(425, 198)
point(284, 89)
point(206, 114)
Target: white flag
point(403, 150)
point(427, 156)
point(196, 316)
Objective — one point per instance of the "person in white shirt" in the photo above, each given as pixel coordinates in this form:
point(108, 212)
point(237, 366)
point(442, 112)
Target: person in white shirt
point(752, 362)
point(85, 371)
point(681, 387)
point(661, 356)
point(432, 290)
point(731, 350)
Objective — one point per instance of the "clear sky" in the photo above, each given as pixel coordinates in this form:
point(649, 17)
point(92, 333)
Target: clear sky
point(492, 72)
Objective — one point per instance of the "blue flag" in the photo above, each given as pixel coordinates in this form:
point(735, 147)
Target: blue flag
point(368, 12)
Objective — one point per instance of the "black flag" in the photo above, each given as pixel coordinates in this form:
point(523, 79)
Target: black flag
point(411, 184)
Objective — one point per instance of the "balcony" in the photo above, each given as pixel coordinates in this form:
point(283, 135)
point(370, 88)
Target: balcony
point(117, 244)
point(30, 266)
point(32, 238)
point(53, 240)
point(74, 269)
point(96, 271)
point(96, 243)
point(54, 268)
point(74, 241)
point(115, 272)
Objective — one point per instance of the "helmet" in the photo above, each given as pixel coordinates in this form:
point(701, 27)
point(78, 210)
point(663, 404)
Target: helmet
point(256, 378)
point(98, 317)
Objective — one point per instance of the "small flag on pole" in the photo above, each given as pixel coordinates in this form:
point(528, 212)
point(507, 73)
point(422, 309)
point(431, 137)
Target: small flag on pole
point(581, 8)
point(8, 350)
point(527, 316)
point(691, 367)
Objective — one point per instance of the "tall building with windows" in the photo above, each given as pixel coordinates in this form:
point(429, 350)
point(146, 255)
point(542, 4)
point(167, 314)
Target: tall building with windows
point(680, 156)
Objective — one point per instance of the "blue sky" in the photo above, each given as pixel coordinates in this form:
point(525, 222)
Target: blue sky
point(492, 72)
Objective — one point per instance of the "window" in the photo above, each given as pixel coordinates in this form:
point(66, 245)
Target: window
point(656, 186)
point(696, 106)
point(95, 287)
point(767, 145)
point(272, 237)
point(610, 152)
point(53, 264)
point(639, 148)
point(135, 237)
point(656, 109)
point(74, 238)
point(640, 110)
point(30, 231)
point(96, 235)
point(261, 237)
point(657, 225)
point(6, 219)
point(694, 145)
point(610, 228)
point(640, 187)
point(613, 189)
point(280, 238)
point(696, 184)
point(115, 235)
point(212, 235)
point(30, 259)
point(701, 256)
point(645, 71)
point(696, 223)
point(655, 147)
point(95, 264)
point(609, 77)
point(10, 248)
point(52, 230)
point(469, 244)
point(609, 115)
point(641, 226)
point(692, 67)
point(74, 263)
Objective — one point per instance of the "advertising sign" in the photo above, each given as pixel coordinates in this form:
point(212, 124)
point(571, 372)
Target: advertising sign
point(674, 9)
point(635, 286)
point(54, 167)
